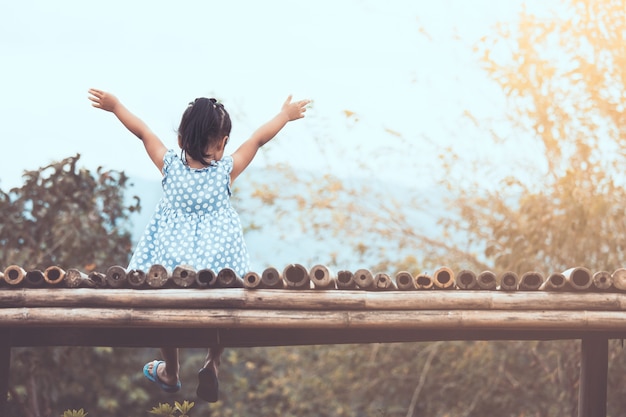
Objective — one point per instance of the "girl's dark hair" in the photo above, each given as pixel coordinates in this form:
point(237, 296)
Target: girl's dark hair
point(204, 122)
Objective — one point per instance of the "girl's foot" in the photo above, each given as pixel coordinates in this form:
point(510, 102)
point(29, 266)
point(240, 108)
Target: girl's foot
point(208, 385)
point(156, 373)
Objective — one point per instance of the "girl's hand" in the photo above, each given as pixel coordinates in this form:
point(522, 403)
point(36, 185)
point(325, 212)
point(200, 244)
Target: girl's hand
point(103, 100)
point(295, 110)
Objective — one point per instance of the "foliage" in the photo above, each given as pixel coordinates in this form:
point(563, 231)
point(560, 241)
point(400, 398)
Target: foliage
point(166, 410)
point(75, 413)
point(67, 216)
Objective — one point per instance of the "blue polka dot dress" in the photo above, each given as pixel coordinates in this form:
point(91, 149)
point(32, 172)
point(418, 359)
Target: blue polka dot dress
point(194, 223)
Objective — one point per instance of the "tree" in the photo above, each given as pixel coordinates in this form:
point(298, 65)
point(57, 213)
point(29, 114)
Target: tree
point(67, 216)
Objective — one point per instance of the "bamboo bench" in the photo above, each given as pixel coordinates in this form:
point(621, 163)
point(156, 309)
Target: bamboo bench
point(245, 315)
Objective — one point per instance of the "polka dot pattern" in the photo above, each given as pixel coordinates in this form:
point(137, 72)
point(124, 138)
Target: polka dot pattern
point(194, 223)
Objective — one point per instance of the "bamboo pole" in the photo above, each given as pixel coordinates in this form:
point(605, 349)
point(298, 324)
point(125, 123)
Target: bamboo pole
point(345, 280)
point(136, 278)
point(466, 280)
point(509, 281)
point(116, 276)
point(34, 279)
point(228, 278)
point(592, 388)
point(240, 298)
point(296, 277)
point(75, 279)
point(555, 281)
point(14, 274)
point(364, 279)
point(619, 278)
point(505, 321)
point(206, 278)
point(98, 278)
point(424, 282)
point(405, 281)
point(602, 280)
point(443, 278)
point(383, 281)
point(579, 278)
point(321, 278)
point(252, 281)
point(271, 278)
point(184, 276)
point(487, 280)
point(531, 281)
point(54, 275)
point(157, 276)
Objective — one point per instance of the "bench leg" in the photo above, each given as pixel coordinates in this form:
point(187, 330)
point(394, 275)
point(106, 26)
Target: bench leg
point(594, 364)
point(5, 360)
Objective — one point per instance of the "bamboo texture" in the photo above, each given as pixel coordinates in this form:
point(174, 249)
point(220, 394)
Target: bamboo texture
point(53, 275)
point(364, 279)
point(555, 281)
point(509, 281)
point(271, 278)
point(487, 280)
point(443, 278)
point(136, 278)
point(579, 278)
point(34, 278)
point(296, 277)
point(466, 280)
point(384, 282)
point(424, 282)
point(116, 276)
point(252, 281)
point(227, 278)
point(345, 280)
point(206, 278)
point(184, 276)
point(602, 280)
point(531, 281)
point(405, 281)
point(321, 278)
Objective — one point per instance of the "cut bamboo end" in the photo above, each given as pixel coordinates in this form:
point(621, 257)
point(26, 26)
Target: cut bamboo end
point(321, 277)
point(206, 278)
point(383, 281)
point(345, 280)
point(184, 276)
point(602, 280)
point(405, 281)
point(252, 281)
point(76, 279)
point(34, 279)
point(443, 278)
point(555, 282)
point(228, 278)
point(116, 276)
point(157, 276)
point(509, 281)
point(466, 280)
point(14, 274)
point(579, 278)
point(487, 281)
point(136, 278)
point(364, 279)
point(54, 275)
point(271, 278)
point(98, 278)
point(619, 278)
point(424, 282)
point(531, 281)
point(296, 277)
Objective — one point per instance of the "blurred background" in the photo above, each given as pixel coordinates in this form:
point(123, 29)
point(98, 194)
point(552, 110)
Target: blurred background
point(479, 135)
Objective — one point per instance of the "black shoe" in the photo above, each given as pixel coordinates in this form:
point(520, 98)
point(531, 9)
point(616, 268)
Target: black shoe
point(208, 386)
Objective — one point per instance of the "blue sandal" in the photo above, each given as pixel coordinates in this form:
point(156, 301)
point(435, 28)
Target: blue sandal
point(154, 377)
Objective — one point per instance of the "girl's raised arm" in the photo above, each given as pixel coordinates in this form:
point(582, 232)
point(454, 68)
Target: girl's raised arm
point(247, 151)
point(154, 146)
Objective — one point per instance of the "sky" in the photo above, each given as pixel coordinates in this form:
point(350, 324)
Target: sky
point(390, 83)
point(369, 67)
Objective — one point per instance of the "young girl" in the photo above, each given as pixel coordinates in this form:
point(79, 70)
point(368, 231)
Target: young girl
point(194, 223)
